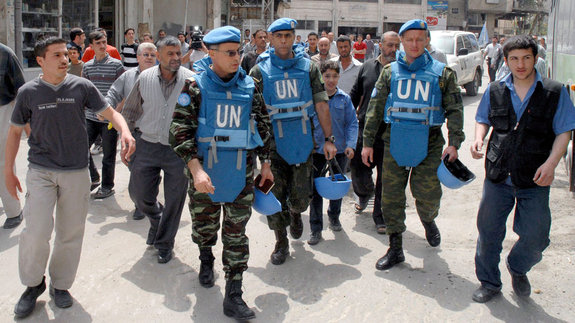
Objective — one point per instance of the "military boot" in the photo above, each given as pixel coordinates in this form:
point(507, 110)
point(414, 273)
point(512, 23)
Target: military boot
point(206, 275)
point(394, 254)
point(432, 233)
point(296, 225)
point(234, 305)
point(281, 250)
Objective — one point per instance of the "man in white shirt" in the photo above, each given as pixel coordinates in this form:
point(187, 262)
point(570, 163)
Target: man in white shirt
point(492, 52)
point(349, 66)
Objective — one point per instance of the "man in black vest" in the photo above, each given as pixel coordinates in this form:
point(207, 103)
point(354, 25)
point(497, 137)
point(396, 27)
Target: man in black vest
point(532, 118)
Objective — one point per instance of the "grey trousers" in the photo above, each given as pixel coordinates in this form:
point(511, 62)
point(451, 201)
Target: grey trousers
point(69, 192)
point(10, 204)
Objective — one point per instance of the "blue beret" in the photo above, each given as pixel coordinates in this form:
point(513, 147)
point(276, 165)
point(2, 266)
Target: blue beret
point(226, 34)
point(413, 24)
point(282, 24)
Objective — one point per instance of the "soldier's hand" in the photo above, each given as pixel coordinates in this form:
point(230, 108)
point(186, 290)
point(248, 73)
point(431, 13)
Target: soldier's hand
point(476, 148)
point(329, 150)
point(367, 156)
point(266, 174)
point(349, 152)
point(203, 182)
point(452, 152)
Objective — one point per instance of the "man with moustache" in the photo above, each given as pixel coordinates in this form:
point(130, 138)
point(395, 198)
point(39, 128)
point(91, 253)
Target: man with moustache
point(348, 65)
point(148, 110)
point(361, 174)
point(250, 57)
point(293, 92)
point(414, 95)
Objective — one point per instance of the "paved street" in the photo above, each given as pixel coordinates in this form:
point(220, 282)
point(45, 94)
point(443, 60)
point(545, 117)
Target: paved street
point(119, 279)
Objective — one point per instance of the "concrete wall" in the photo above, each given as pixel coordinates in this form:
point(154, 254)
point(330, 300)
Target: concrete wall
point(502, 6)
point(7, 23)
point(171, 17)
point(459, 19)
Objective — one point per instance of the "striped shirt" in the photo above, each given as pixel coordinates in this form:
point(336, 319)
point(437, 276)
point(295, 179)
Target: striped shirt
point(102, 73)
point(129, 53)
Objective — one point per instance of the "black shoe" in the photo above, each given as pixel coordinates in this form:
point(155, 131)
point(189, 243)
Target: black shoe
point(11, 223)
point(432, 233)
point(137, 215)
point(482, 294)
point(520, 283)
point(234, 305)
point(296, 225)
point(394, 254)
point(27, 301)
point(94, 185)
point(390, 259)
point(206, 275)
point(164, 255)
point(335, 225)
point(103, 192)
point(62, 297)
point(281, 250)
point(314, 238)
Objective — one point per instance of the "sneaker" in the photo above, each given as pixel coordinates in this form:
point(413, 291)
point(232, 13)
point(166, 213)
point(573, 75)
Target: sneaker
point(314, 238)
point(103, 192)
point(11, 223)
point(380, 228)
point(96, 149)
point(335, 225)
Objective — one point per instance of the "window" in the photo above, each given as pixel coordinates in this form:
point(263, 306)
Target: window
point(473, 46)
point(459, 44)
point(323, 26)
point(403, 1)
point(305, 24)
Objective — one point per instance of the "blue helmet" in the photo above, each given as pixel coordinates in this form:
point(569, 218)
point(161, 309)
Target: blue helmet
point(454, 175)
point(333, 187)
point(266, 204)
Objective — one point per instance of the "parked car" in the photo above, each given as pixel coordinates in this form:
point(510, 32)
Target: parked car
point(463, 55)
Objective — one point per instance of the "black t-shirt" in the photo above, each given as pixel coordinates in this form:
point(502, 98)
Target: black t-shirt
point(56, 115)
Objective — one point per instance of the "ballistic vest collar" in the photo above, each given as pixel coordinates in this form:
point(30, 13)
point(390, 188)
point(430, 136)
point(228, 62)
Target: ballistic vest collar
point(419, 63)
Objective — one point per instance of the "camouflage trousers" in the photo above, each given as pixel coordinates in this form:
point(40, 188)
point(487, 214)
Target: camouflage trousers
point(206, 224)
point(423, 182)
point(293, 188)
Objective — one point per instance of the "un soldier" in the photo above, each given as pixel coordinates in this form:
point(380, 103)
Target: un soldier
point(414, 95)
point(292, 87)
point(214, 130)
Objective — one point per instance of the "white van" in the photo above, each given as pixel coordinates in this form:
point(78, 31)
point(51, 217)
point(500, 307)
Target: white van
point(463, 56)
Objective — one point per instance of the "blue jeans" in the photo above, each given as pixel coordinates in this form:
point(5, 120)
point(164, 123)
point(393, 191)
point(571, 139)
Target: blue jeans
point(316, 206)
point(532, 222)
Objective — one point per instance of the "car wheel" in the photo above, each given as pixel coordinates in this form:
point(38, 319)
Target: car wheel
point(472, 87)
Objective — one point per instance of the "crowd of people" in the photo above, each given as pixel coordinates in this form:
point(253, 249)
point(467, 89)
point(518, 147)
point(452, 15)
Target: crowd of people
point(199, 114)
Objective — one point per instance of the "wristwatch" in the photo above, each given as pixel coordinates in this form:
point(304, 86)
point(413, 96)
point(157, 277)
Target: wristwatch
point(330, 139)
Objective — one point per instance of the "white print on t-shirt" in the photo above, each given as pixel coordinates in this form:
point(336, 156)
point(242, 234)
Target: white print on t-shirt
point(66, 100)
point(47, 106)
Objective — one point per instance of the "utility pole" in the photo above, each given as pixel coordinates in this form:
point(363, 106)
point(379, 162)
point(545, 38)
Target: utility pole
point(18, 29)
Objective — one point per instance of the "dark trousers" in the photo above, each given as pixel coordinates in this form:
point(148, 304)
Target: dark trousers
point(316, 207)
point(491, 71)
point(532, 222)
point(362, 180)
point(147, 162)
point(109, 142)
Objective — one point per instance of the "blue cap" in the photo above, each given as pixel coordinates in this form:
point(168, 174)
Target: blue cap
point(226, 34)
point(417, 24)
point(282, 24)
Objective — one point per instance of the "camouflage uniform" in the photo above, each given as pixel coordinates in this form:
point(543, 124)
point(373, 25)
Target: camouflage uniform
point(205, 213)
point(424, 183)
point(293, 183)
